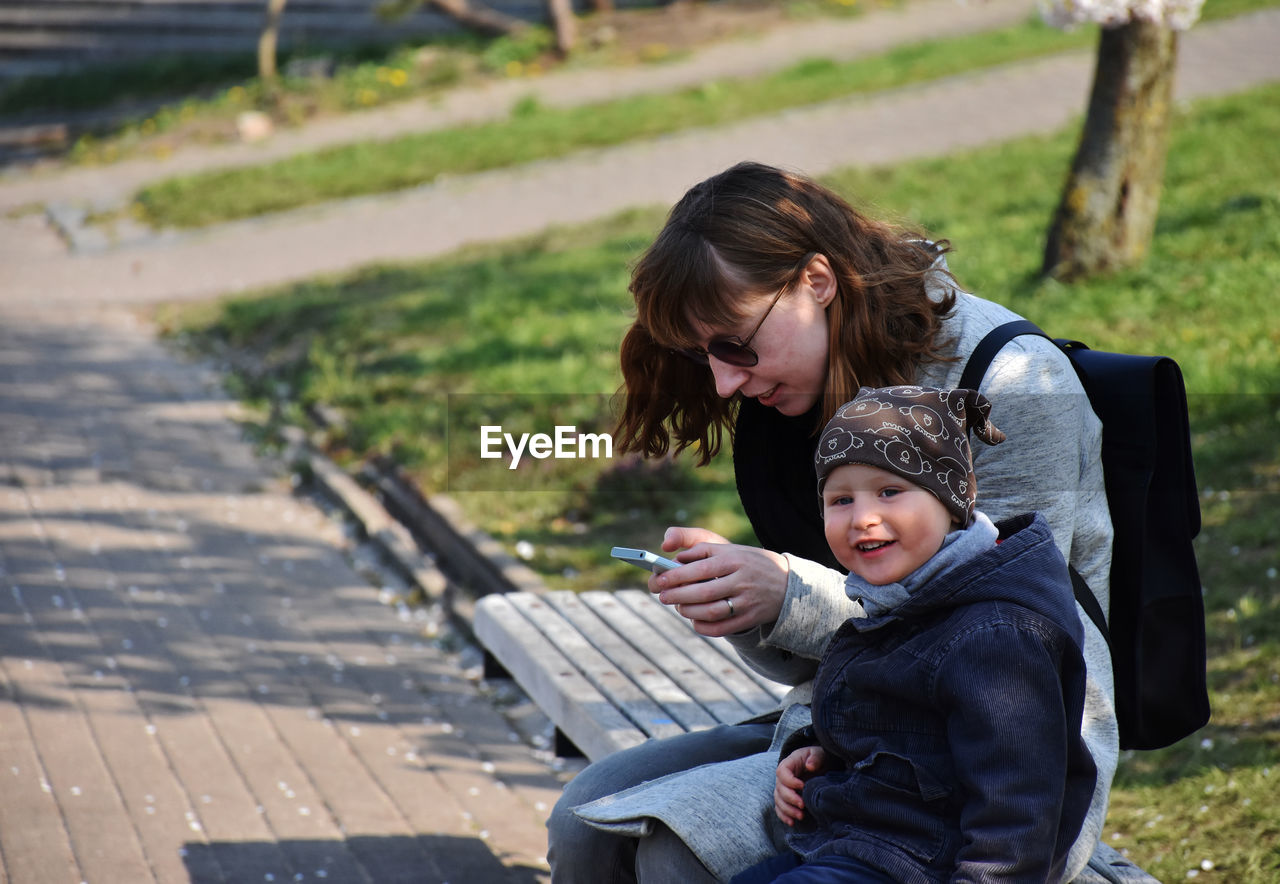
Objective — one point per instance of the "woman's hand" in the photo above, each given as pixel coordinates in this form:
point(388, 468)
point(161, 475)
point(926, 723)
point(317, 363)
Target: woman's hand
point(720, 587)
point(797, 767)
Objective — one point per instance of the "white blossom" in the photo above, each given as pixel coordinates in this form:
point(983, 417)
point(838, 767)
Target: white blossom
point(1066, 14)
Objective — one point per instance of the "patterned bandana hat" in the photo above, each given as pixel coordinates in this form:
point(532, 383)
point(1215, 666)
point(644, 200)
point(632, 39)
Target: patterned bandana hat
point(918, 433)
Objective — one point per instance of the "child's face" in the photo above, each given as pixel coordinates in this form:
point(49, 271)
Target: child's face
point(880, 526)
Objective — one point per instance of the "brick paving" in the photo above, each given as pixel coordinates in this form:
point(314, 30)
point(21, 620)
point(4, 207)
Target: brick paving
point(197, 682)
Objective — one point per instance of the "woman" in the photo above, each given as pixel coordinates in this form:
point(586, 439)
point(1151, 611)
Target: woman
point(763, 304)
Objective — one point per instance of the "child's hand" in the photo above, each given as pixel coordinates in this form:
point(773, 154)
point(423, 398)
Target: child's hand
point(792, 772)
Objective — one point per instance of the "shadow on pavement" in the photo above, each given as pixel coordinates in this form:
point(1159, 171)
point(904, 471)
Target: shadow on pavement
point(424, 859)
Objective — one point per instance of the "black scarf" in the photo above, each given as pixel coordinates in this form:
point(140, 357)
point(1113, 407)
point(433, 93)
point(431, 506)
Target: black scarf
point(773, 466)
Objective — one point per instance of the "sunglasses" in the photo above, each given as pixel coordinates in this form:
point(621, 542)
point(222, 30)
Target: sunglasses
point(732, 350)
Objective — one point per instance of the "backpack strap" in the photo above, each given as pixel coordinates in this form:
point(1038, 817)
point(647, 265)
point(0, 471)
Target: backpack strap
point(1089, 601)
point(974, 371)
point(989, 346)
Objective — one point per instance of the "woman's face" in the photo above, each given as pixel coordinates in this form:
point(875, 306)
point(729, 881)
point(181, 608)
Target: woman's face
point(792, 344)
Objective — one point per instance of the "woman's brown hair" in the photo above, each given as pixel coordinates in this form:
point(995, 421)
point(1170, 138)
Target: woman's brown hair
point(745, 231)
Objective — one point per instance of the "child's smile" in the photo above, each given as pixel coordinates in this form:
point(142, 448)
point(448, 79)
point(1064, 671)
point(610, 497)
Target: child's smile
point(880, 526)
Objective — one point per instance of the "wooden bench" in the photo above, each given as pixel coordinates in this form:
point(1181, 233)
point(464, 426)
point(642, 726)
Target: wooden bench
point(612, 669)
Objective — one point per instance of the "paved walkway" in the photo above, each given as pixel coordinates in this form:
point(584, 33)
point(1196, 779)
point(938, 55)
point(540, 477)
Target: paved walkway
point(196, 683)
point(197, 679)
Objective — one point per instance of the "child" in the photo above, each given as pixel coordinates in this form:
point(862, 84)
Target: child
point(945, 743)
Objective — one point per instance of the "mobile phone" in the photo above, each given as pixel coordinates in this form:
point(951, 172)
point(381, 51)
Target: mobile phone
point(644, 559)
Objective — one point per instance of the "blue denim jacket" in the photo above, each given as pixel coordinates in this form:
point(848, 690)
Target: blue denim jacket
point(952, 725)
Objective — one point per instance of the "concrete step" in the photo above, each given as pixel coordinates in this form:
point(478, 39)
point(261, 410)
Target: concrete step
point(231, 37)
point(172, 17)
point(43, 37)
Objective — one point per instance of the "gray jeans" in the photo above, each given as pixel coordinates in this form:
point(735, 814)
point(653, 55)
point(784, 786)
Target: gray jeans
point(582, 854)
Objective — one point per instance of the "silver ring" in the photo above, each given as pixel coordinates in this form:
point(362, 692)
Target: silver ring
point(728, 601)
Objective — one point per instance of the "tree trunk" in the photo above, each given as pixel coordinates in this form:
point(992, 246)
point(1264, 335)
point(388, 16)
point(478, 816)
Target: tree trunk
point(1107, 215)
point(267, 41)
point(566, 26)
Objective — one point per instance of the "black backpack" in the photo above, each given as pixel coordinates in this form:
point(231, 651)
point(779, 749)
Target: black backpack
point(1157, 632)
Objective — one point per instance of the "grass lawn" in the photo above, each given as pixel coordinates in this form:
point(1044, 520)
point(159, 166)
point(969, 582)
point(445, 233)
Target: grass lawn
point(535, 132)
point(419, 357)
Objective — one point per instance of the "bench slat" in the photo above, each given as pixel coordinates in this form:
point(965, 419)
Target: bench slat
point(614, 669)
point(716, 656)
point(774, 688)
point(605, 635)
point(552, 681)
point(607, 678)
point(667, 639)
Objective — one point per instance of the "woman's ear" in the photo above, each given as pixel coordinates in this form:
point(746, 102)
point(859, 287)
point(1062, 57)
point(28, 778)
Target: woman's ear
point(821, 279)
